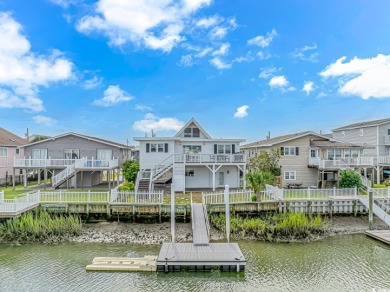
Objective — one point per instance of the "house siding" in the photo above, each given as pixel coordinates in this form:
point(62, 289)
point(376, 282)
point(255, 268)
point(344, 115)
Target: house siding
point(6, 163)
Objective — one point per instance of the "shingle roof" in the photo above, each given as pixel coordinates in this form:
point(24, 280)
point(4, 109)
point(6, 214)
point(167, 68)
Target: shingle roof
point(277, 139)
point(363, 124)
point(333, 144)
point(10, 139)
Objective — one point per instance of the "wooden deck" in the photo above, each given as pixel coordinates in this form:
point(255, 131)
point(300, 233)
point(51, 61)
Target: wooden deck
point(199, 233)
point(382, 235)
point(174, 256)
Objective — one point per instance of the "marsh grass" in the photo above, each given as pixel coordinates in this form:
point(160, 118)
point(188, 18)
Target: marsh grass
point(273, 227)
point(38, 227)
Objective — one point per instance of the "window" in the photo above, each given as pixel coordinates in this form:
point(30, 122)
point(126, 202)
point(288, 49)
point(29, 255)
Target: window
point(71, 153)
point(361, 132)
point(290, 151)
point(17, 151)
point(191, 132)
point(192, 149)
point(39, 154)
point(388, 132)
point(313, 153)
point(228, 149)
point(157, 147)
point(104, 154)
point(3, 152)
point(290, 175)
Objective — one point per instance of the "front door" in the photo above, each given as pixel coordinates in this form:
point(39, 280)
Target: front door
point(221, 179)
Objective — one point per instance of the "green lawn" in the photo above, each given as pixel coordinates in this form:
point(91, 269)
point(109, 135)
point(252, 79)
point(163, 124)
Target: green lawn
point(9, 193)
point(184, 199)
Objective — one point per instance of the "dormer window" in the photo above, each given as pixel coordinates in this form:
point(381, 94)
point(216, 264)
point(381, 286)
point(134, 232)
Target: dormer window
point(191, 132)
point(361, 132)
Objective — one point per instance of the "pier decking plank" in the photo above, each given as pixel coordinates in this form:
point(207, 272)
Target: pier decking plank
point(382, 235)
point(200, 235)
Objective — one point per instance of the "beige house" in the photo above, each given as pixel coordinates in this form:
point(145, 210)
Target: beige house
point(309, 159)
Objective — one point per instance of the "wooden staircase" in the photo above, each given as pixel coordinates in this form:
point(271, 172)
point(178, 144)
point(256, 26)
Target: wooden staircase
point(64, 175)
point(143, 185)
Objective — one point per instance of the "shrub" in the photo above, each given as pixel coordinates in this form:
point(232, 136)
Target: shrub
point(257, 180)
point(350, 179)
point(130, 170)
point(127, 186)
point(387, 182)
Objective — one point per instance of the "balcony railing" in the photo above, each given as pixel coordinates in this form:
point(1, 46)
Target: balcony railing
point(387, 140)
point(210, 158)
point(80, 163)
point(342, 162)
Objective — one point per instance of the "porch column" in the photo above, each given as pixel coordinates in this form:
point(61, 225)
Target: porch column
point(378, 175)
point(213, 177)
point(244, 177)
point(117, 178)
point(13, 178)
point(45, 177)
point(365, 172)
point(39, 176)
point(82, 179)
point(25, 178)
point(109, 179)
point(75, 180)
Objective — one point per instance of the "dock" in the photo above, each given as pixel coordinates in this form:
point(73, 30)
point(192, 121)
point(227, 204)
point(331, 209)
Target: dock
point(382, 235)
point(114, 264)
point(175, 256)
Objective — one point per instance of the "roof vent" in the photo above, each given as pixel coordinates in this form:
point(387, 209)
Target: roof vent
point(12, 140)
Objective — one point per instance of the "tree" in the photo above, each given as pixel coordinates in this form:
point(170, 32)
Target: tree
point(257, 180)
point(39, 138)
point(350, 179)
point(130, 170)
point(266, 162)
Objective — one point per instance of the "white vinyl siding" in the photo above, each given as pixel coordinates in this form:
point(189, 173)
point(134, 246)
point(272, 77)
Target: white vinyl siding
point(290, 175)
point(3, 152)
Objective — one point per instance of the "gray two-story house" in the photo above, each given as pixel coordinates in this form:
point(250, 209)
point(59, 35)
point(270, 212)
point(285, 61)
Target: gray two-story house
point(74, 160)
point(374, 136)
point(308, 159)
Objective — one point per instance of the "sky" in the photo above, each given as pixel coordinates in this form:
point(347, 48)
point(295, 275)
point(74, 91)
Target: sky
point(119, 69)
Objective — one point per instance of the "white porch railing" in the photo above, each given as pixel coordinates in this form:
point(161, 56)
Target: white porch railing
point(142, 198)
point(28, 162)
point(1, 196)
point(234, 197)
point(384, 160)
point(382, 192)
point(63, 175)
point(19, 204)
point(210, 158)
point(74, 197)
point(387, 140)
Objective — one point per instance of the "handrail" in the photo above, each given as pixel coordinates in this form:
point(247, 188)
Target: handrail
point(206, 218)
point(192, 214)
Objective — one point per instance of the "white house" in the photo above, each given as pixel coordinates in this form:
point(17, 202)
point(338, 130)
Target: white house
point(190, 160)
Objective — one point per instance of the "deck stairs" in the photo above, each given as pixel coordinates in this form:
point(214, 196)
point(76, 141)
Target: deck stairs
point(64, 175)
point(381, 206)
point(143, 185)
point(200, 224)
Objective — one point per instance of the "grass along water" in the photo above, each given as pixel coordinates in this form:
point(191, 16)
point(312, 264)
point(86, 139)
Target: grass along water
point(39, 226)
point(273, 226)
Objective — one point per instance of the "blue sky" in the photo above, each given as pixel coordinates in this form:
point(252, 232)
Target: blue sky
point(117, 69)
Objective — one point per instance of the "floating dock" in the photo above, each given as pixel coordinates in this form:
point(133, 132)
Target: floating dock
point(175, 256)
point(382, 235)
point(113, 264)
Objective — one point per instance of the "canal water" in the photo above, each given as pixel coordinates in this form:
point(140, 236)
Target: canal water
point(341, 263)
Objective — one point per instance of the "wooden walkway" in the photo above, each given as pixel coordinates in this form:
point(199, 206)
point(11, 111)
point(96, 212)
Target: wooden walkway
point(174, 256)
point(382, 235)
point(378, 211)
point(112, 264)
point(199, 233)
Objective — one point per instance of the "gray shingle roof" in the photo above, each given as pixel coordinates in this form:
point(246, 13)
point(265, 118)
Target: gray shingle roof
point(276, 140)
point(363, 124)
point(10, 139)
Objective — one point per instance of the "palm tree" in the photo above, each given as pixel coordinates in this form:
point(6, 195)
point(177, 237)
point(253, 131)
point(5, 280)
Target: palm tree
point(258, 180)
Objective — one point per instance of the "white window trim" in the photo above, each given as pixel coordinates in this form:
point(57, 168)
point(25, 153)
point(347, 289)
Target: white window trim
point(343, 134)
point(289, 172)
point(289, 147)
point(6, 151)
point(361, 132)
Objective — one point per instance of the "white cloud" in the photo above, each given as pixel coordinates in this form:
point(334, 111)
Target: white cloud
point(155, 24)
point(278, 81)
point(47, 121)
point(65, 3)
point(142, 107)
point(112, 96)
point(222, 51)
point(22, 71)
point(263, 56)
point(362, 77)
point(308, 87)
point(268, 72)
point(263, 41)
point(208, 22)
point(92, 83)
point(220, 64)
point(306, 53)
point(151, 122)
point(241, 112)
point(218, 32)
point(186, 60)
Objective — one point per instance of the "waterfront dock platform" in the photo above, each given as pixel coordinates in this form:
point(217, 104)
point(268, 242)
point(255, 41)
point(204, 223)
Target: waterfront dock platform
point(115, 264)
point(177, 256)
point(382, 235)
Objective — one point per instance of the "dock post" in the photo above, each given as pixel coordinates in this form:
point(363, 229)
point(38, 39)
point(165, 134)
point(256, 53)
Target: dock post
point(227, 212)
point(173, 228)
point(370, 209)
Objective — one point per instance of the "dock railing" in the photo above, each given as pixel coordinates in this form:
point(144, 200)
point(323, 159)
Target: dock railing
point(140, 198)
point(238, 196)
point(1, 196)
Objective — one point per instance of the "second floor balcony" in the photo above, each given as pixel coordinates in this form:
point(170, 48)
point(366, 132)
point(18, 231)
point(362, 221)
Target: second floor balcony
point(82, 163)
point(209, 158)
point(340, 163)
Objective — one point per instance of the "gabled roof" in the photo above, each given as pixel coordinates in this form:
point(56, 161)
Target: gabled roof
point(364, 124)
point(196, 124)
point(285, 138)
point(334, 144)
point(10, 139)
point(103, 141)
